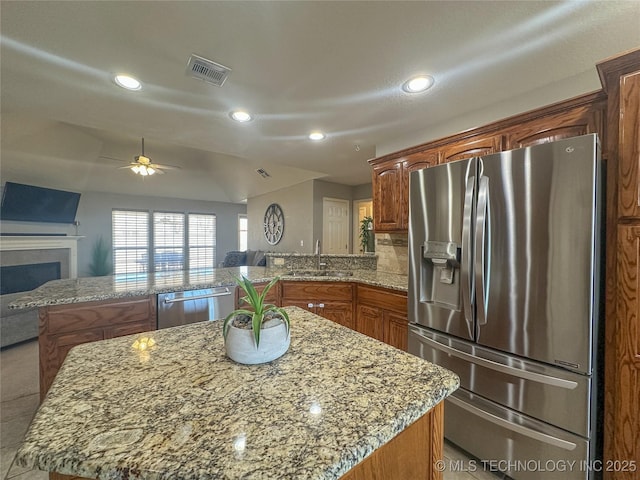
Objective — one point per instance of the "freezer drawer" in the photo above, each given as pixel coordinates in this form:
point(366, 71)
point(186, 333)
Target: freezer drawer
point(550, 394)
point(521, 447)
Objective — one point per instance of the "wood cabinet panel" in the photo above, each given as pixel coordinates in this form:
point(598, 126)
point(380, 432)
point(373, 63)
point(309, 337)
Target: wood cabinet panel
point(370, 321)
point(620, 80)
point(629, 146)
point(317, 291)
point(421, 160)
point(627, 379)
point(579, 120)
point(382, 314)
point(331, 300)
point(389, 197)
point(64, 326)
point(383, 298)
point(471, 147)
point(71, 317)
point(397, 333)
point(339, 312)
point(273, 296)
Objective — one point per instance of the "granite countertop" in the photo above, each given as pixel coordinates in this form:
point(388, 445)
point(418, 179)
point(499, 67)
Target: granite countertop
point(87, 289)
point(182, 410)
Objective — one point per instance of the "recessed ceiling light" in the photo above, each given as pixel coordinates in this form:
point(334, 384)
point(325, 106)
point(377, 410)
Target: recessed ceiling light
point(418, 84)
point(317, 136)
point(241, 116)
point(130, 83)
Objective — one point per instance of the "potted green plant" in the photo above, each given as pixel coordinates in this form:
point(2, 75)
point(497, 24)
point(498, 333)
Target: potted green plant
point(100, 264)
point(366, 235)
point(260, 334)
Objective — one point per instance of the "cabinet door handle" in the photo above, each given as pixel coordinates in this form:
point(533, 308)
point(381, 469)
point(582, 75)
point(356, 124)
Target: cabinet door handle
point(310, 305)
point(321, 305)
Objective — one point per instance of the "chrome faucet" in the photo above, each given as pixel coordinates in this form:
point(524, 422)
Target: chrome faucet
point(318, 264)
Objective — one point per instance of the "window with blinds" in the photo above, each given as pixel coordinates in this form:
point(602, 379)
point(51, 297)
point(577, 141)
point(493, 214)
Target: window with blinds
point(130, 241)
point(168, 241)
point(243, 230)
point(202, 241)
point(175, 237)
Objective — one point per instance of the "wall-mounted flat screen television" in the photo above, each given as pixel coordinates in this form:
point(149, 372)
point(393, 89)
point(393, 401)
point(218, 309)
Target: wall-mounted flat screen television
point(28, 203)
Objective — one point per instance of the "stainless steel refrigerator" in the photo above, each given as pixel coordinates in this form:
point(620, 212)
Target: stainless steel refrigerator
point(504, 289)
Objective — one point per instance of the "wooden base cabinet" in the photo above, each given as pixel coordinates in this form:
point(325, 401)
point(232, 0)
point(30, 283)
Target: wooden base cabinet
point(273, 296)
point(62, 327)
point(382, 314)
point(332, 300)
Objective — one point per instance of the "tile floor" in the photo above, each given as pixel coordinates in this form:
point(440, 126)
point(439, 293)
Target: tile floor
point(20, 398)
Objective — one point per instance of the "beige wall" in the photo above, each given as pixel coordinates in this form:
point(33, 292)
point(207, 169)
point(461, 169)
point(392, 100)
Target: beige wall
point(297, 205)
point(302, 208)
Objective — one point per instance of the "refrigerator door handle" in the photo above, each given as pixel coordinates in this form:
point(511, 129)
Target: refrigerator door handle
point(498, 367)
point(466, 264)
point(483, 232)
point(501, 422)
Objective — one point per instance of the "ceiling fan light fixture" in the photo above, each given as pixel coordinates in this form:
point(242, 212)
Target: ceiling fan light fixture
point(418, 84)
point(241, 116)
point(135, 169)
point(128, 82)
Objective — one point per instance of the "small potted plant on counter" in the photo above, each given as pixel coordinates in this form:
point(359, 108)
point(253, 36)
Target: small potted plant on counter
point(366, 235)
point(257, 335)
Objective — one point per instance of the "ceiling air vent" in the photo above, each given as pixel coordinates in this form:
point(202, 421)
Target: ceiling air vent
point(210, 72)
point(263, 173)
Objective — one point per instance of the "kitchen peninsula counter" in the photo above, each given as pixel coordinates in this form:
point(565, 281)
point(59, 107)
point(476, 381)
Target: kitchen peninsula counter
point(182, 410)
point(89, 289)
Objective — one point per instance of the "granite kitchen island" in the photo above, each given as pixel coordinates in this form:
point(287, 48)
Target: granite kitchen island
point(338, 404)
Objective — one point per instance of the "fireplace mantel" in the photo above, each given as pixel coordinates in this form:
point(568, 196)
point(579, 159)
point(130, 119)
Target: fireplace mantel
point(41, 242)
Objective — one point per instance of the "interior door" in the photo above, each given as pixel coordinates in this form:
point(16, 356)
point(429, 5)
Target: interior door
point(335, 225)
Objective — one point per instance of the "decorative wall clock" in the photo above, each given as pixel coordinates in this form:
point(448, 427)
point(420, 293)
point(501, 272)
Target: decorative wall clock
point(273, 224)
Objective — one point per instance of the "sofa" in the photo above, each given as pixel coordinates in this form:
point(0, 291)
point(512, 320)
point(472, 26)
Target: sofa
point(252, 258)
point(16, 325)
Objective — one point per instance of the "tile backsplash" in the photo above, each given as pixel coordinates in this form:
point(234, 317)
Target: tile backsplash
point(392, 250)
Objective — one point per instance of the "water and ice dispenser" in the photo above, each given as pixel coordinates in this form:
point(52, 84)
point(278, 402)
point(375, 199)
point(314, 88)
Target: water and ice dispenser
point(440, 274)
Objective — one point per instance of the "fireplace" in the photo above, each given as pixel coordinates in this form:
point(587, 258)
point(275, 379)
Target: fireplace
point(29, 261)
point(23, 278)
point(30, 250)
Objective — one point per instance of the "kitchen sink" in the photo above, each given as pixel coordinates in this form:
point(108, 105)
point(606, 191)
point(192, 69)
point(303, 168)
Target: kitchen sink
point(320, 273)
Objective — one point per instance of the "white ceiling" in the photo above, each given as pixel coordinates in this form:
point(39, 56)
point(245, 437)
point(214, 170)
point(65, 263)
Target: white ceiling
point(297, 66)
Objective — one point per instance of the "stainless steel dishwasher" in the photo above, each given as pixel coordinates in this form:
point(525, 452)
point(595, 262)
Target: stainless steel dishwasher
point(190, 306)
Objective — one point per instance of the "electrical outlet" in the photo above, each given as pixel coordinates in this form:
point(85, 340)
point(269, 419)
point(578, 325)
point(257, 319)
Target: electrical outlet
point(302, 243)
point(278, 261)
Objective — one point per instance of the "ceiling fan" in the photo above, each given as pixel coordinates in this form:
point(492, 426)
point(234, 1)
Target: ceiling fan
point(142, 165)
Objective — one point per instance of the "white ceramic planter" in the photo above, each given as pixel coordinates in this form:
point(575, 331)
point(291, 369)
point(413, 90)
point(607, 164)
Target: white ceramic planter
point(241, 346)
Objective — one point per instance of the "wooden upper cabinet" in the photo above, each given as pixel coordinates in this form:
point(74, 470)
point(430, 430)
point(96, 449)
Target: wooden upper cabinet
point(420, 160)
point(629, 146)
point(573, 117)
point(576, 121)
point(471, 147)
point(389, 197)
point(391, 189)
